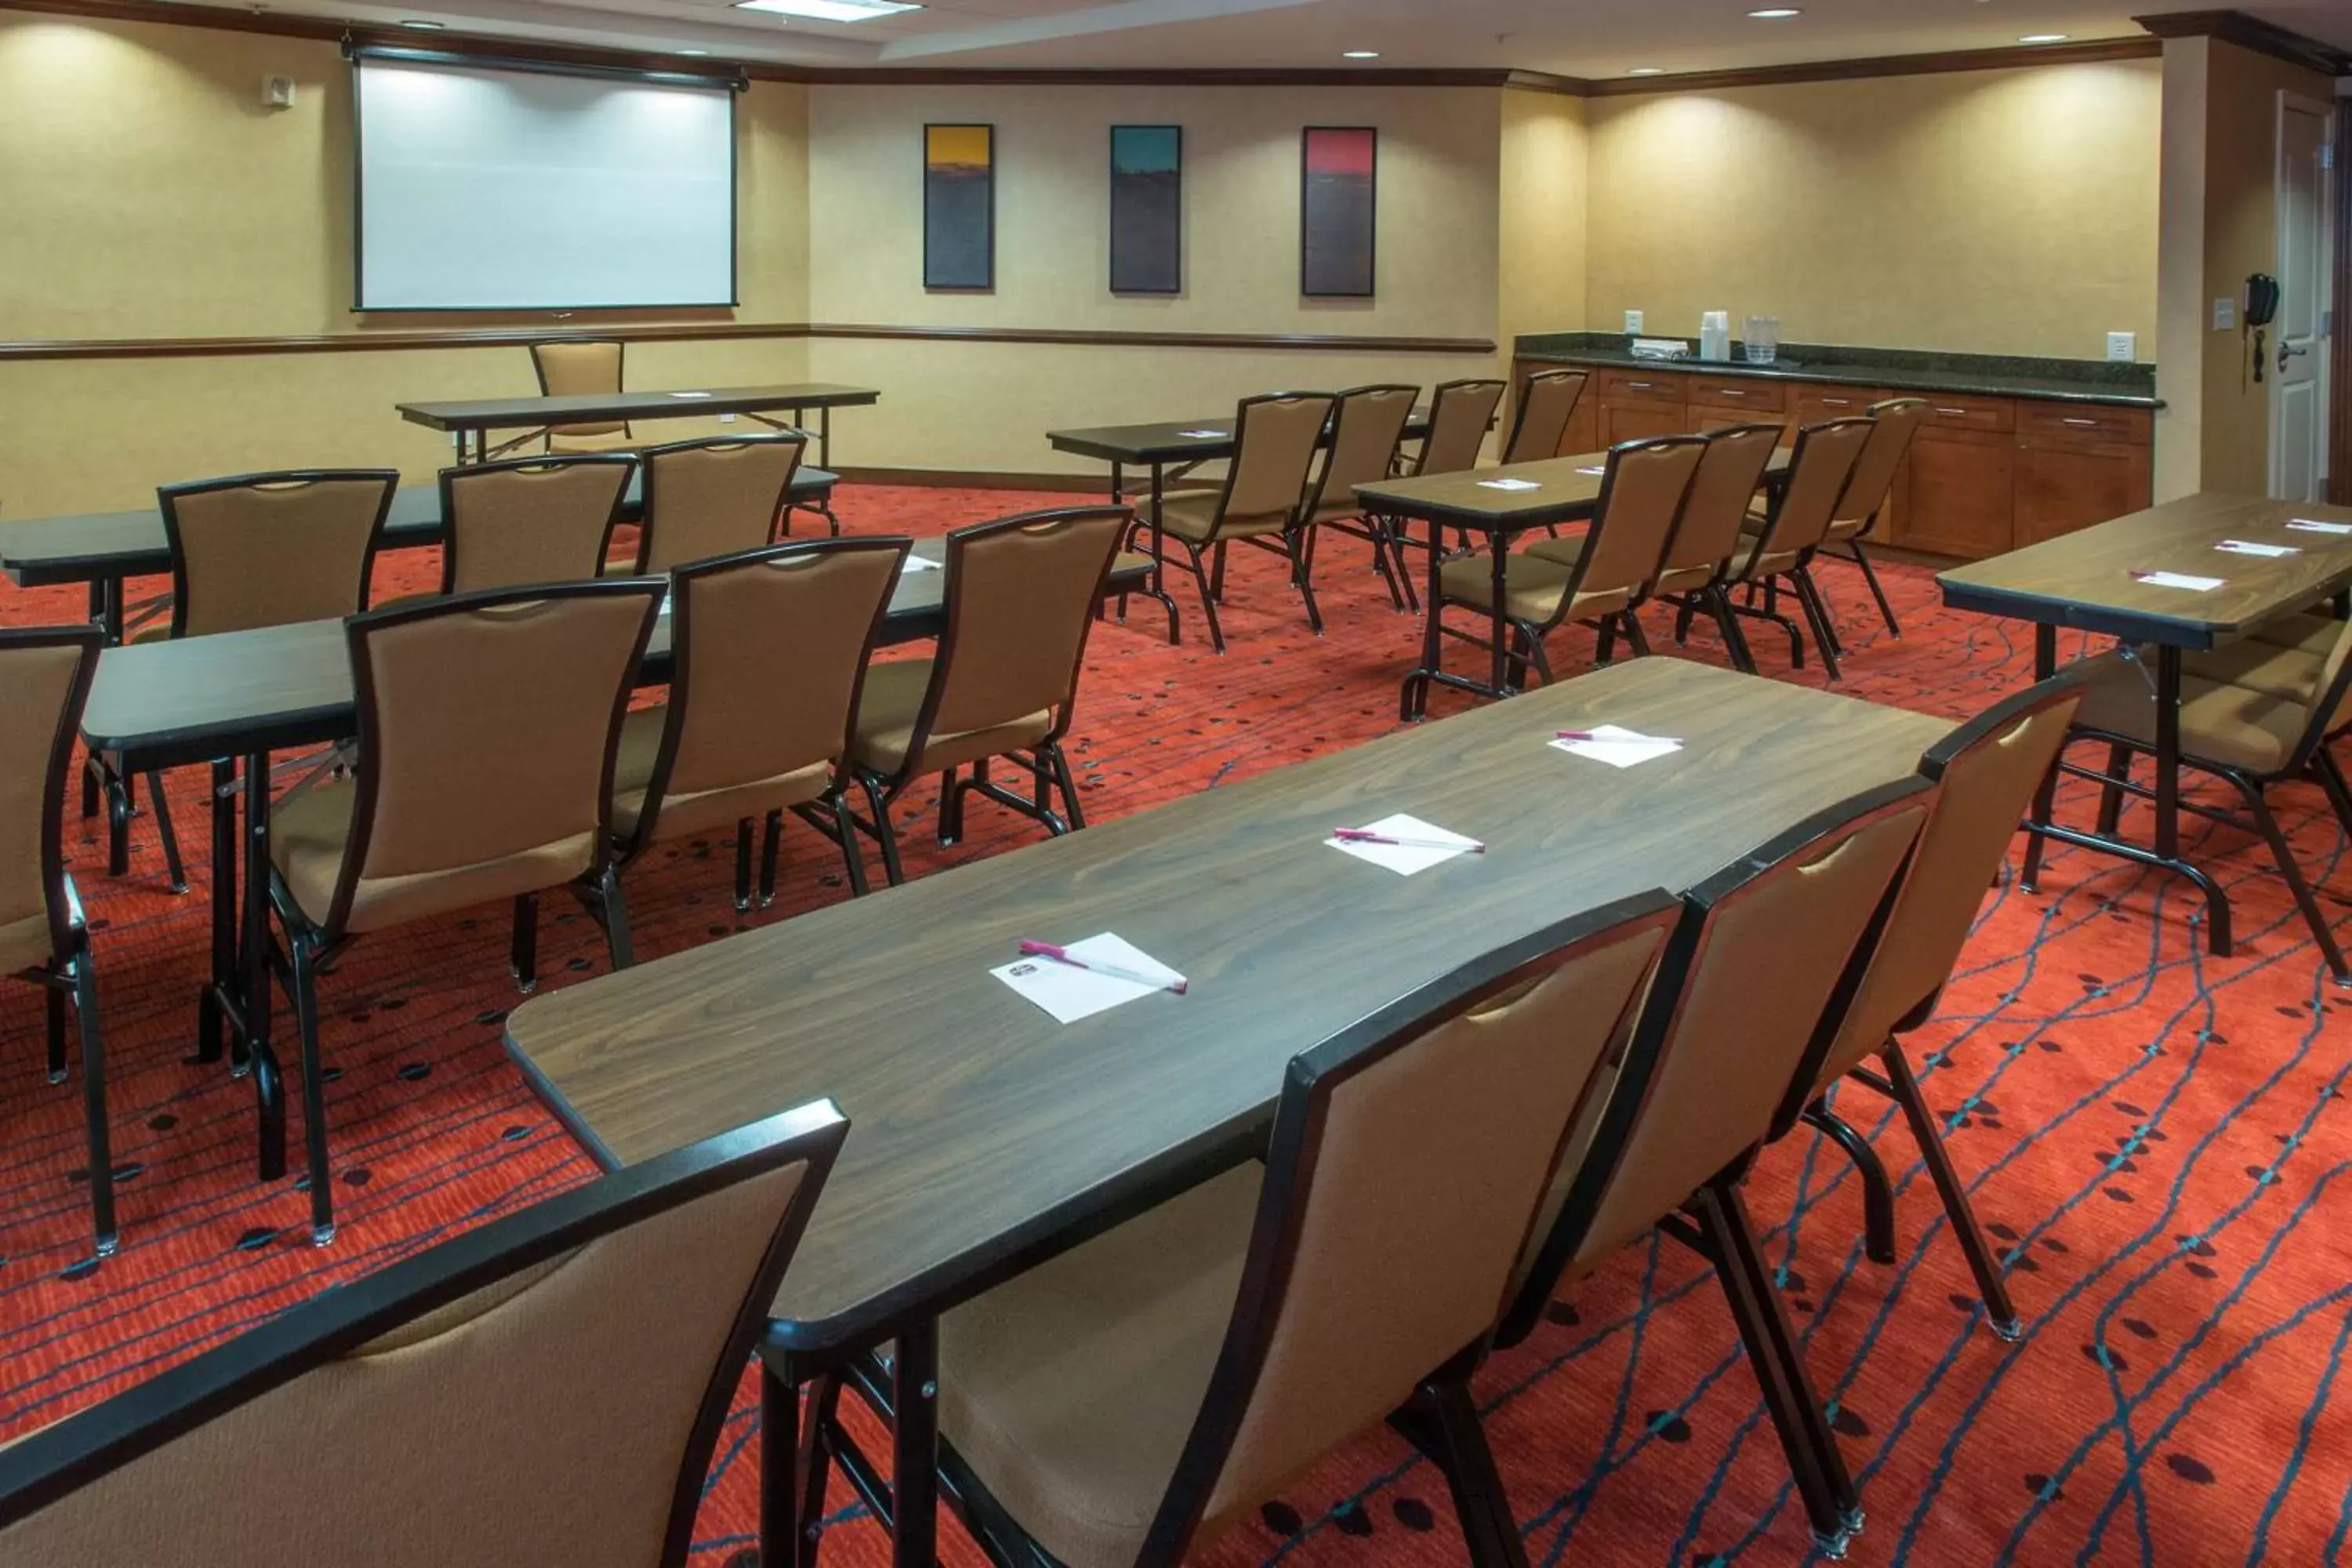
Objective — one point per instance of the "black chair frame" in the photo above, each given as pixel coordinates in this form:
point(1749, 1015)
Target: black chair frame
point(451, 479)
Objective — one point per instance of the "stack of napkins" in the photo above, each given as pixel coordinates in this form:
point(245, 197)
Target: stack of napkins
point(1618, 746)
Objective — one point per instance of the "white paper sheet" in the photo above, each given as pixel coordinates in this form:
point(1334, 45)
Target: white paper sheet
point(2250, 547)
point(1620, 747)
point(2313, 526)
point(2186, 579)
point(689, 394)
point(1508, 485)
point(919, 563)
point(1069, 993)
point(1596, 470)
point(1202, 435)
point(1405, 859)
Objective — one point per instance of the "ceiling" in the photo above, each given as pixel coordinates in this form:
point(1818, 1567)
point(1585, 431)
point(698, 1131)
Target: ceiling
point(1596, 38)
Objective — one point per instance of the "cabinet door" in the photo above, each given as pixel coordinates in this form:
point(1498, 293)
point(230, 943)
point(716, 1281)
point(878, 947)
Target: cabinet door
point(2061, 486)
point(1639, 422)
point(1959, 500)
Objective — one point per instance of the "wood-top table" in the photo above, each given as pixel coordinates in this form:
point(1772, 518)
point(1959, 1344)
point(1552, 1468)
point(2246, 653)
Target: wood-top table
point(476, 419)
point(985, 1137)
point(1497, 503)
point(2090, 581)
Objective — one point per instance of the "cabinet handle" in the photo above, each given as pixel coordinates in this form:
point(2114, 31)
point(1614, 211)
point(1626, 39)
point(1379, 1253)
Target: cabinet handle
point(2081, 424)
point(1730, 391)
point(1954, 413)
point(1837, 401)
point(1641, 385)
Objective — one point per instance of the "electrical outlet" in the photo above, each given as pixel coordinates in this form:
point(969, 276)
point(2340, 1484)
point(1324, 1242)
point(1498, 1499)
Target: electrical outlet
point(1633, 323)
point(2122, 348)
point(2225, 315)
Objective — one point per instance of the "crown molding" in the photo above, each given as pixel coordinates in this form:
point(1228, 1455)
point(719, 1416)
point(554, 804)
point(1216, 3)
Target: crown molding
point(2013, 57)
point(2252, 33)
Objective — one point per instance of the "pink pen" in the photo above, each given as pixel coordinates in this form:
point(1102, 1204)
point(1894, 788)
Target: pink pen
point(1576, 735)
point(1063, 955)
point(1364, 835)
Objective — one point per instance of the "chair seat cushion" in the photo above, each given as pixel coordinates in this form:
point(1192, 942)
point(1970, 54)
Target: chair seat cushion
point(2219, 724)
point(1533, 585)
point(700, 811)
point(25, 944)
point(1192, 515)
point(619, 440)
point(2287, 672)
point(1567, 551)
point(2311, 634)
point(310, 829)
point(1070, 1391)
point(892, 701)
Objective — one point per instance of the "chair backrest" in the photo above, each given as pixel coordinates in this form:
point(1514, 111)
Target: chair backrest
point(1986, 773)
point(768, 653)
point(1275, 436)
point(1460, 414)
point(2331, 705)
point(1818, 471)
point(269, 550)
point(716, 497)
point(1756, 961)
point(1021, 596)
point(1642, 493)
point(532, 520)
point(1407, 1160)
point(580, 368)
point(1367, 428)
point(1893, 424)
point(547, 1388)
point(1546, 401)
point(45, 675)
point(487, 723)
point(1707, 534)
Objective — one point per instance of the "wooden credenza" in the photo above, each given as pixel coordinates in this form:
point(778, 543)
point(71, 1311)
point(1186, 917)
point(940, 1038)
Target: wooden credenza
point(1985, 476)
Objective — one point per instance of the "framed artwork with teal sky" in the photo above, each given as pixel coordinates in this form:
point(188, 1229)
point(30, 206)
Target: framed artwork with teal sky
point(959, 206)
point(1337, 208)
point(1147, 209)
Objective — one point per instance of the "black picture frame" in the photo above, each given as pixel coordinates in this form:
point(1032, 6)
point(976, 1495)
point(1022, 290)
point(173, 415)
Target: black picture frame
point(959, 195)
point(1146, 228)
point(1338, 218)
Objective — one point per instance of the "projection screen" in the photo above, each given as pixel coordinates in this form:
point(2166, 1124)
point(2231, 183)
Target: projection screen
point(493, 189)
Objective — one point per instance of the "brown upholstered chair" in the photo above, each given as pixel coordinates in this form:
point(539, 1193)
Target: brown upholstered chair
point(45, 675)
point(1021, 594)
point(1546, 399)
point(1598, 579)
point(716, 497)
point(1460, 415)
point(2248, 736)
point(484, 770)
point(530, 520)
point(250, 551)
point(547, 1388)
point(1125, 1403)
point(1788, 533)
point(768, 651)
point(1367, 433)
point(1706, 535)
point(1985, 774)
point(580, 368)
point(1263, 500)
point(1893, 424)
point(1764, 951)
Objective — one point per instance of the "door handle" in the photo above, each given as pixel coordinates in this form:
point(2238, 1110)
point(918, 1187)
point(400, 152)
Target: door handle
point(2288, 351)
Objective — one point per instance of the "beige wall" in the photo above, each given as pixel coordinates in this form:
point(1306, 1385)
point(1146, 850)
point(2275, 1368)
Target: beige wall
point(1988, 212)
point(1545, 213)
point(145, 192)
point(988, 406)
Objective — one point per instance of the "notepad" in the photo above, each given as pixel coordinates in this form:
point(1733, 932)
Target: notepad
point(1070, 994)
point(1202, 435)
point(2188, 581)
point(919, 563)
point(2250, 547)
point(2313, 526)
point(1618, 746)
point(1405, 859)
point(1596, 470)
point(1508, 485)
point(689, 394)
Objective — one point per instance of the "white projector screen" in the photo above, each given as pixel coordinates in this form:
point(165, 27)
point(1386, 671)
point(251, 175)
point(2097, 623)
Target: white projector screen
point(484, 189)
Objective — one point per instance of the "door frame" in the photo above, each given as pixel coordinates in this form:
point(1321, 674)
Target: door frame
point(2325, 375)
point(2339, 402)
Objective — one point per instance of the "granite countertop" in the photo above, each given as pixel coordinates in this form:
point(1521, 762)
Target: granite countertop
point(1898, 370)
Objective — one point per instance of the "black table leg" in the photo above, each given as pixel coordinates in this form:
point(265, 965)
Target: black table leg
point(1412, 703)
point(213, 1017)
point(1158, 588)
point(1497, 551)
point(254, 1001)
point(915, 1446)
point(780, 1430)
point(2168, 752)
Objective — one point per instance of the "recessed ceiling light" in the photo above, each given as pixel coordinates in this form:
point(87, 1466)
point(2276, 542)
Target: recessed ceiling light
point(829, 10)
point(2043, 39)
point(425, 26)
point(1776, 14)
point(1647, 71)
point(1361, 55)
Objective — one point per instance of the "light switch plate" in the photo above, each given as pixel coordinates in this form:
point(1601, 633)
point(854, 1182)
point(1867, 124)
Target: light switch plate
point(2225, 315)
point(2122, 348)
point(1633, 323)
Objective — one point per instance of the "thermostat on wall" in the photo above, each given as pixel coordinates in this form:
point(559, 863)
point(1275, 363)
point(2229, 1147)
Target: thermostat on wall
point(278, 91)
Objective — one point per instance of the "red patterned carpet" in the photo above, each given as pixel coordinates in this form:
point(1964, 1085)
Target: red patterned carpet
point(2158, 1135)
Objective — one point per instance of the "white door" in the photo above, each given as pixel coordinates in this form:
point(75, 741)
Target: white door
point(2299, 349)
